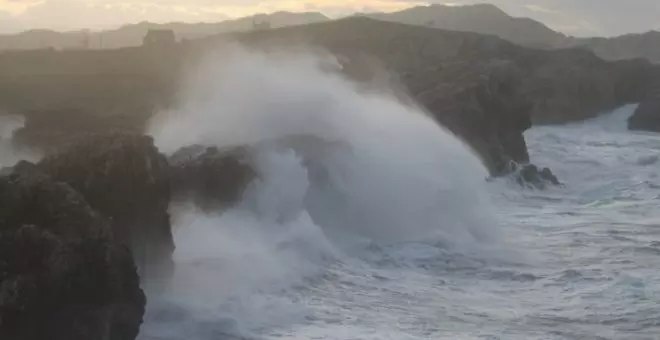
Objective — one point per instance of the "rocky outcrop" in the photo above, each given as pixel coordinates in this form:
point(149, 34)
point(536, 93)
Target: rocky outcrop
point(62, 276)
point(647, 115)
point(124, 178)
point(209, 177)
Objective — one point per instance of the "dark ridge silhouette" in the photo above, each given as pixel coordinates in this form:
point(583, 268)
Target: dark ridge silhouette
point(628, 46)
point(488, 19)
point(481, 18)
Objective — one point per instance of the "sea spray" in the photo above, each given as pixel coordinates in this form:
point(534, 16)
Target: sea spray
point(10, 154)
point(400, 176)
point(234, 271)
point(338, 167)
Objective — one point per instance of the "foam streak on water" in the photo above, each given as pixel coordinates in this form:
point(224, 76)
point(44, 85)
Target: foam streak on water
point(378, 224)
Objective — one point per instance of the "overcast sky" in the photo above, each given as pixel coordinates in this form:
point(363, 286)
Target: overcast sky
point(574, 17)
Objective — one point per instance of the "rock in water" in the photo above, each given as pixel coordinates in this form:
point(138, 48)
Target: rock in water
point(124, 178)
point(62, 277)
point(529, 175)
point(209, 177)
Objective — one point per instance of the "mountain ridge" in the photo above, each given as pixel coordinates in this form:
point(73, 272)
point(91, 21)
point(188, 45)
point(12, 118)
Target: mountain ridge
point(478, 18)
point(130, 35)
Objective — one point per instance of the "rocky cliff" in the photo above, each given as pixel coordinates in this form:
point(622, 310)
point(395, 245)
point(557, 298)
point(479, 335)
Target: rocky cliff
point(76, 230)
point(62, 274)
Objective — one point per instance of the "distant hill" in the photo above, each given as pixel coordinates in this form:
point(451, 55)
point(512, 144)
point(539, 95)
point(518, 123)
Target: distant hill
point(489, 19)
point(482, 18)
point(629, 46)
point(132, 35)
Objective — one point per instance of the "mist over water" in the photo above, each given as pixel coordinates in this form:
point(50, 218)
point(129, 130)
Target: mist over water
point(342, 173)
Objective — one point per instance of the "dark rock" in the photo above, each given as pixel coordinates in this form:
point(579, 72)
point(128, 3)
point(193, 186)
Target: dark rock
point(125, 179)
point(62, 276)
point(647, 115)
point(211, 178)
point(573, 85)
point(529, 175)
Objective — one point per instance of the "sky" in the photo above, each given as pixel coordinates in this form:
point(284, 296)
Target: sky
point(573, 17)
